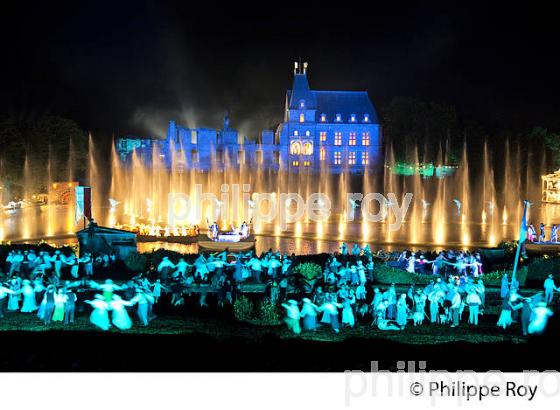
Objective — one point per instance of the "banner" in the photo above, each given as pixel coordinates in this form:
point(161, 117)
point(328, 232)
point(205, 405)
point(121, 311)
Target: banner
point(522, 239)
point(83, 203)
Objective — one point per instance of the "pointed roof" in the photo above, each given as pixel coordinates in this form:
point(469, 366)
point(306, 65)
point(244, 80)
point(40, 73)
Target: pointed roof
point(300, 91)
point(331, 103)
point(345, 103)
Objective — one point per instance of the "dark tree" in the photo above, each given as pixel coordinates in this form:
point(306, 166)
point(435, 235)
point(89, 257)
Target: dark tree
point(50, 149)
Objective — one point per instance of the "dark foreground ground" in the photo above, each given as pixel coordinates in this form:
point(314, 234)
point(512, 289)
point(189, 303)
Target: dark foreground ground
point(90, 351)
point(209, 343)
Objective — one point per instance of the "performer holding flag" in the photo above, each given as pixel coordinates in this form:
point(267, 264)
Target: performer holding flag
point(83, 203)
point(522, 239)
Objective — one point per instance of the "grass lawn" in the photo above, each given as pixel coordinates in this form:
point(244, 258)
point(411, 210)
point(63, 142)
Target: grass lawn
point(221, 328)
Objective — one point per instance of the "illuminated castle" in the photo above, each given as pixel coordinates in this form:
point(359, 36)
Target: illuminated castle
point(337, 131)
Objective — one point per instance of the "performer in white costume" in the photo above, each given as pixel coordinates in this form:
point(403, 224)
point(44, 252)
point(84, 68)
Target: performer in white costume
point(119, 315)
point(100, 315)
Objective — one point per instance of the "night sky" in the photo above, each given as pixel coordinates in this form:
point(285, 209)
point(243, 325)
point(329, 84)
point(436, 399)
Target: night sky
point(127, 68)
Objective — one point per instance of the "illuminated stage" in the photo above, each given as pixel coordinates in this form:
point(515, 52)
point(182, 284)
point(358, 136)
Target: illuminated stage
point(242, 245)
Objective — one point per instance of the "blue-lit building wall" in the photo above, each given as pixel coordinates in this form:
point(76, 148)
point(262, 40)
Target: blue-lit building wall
point(337, 131)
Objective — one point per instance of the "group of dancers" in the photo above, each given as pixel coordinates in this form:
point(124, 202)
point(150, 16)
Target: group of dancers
point(161, 231)
point(344, 294)
point(462, 263)
point(532, 234)
point(341, 297)
point(244, 266)
point(243, 231)
point(33, 263)
point(532, 312)
point(56, 302)
point(440, 302)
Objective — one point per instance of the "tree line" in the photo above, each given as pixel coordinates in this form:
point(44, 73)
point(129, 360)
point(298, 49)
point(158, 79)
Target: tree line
point(54, 148)
point(34, 153)
point(434, 132)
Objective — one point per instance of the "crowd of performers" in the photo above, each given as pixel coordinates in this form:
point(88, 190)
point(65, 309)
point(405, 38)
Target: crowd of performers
point(158, 231)
point(48, 284)
point(243, 231)
point(465, 263)
point(532, 235)
point(36, 286)
point(457, 288)
point(57, 302)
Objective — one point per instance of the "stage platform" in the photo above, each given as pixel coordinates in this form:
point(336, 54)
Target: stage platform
point(204, 242)
point(243, 245)
point(170, 239)
point(542, 247)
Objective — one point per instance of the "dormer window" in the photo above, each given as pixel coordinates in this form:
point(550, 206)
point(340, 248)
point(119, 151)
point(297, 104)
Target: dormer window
point(366, 117)
point(295, 133)
point(307, 133)
point(338, 118)
point(352, 117)
point(323, 117)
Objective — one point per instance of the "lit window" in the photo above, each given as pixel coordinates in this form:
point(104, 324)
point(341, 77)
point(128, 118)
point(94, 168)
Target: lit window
point(323, 117)
point(302, 103)
point(306, 163)
point(365, 138)
point(352, 158)
point(337, 158)
point(307, 133)
point(366, 117)
point(338, 118)
point(194, 137)
point(323, 136)
point(295, 163)
point(295, 133)
point(337, 138)
point(302, 117)
point(307, 148)
point(295, 148)
point(365, 158)
point(322, 154)
point(352, 117)
point(352, 139)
